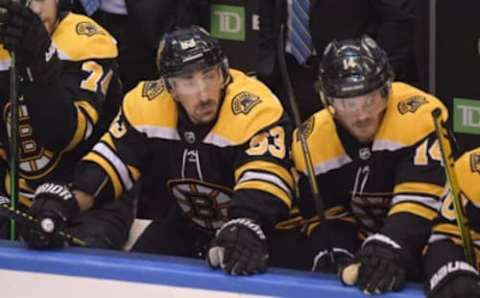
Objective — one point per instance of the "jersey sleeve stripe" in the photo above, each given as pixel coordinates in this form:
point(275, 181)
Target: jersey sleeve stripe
point(121, 168)
point(252, 175)
point(413, 208)
point(109, 170)
point(419, 187)
point(429, 202)
point(266, 187)
point(266, 166)
point(80, 130)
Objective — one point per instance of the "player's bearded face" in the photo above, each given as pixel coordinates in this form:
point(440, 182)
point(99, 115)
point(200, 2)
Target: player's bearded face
point(199, 93)
point(47, 11)
point(361, 115)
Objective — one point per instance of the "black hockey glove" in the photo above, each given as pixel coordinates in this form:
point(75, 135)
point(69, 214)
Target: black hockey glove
point(322, 262)
point(24, 33)
point(53, 206)
point(239, 248)
point(378, 267)
point(454, 280)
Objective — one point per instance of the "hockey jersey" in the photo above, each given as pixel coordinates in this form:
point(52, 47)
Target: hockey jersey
point(391, 185)
point(58, 123)
point(236, 166)
point(445, 243)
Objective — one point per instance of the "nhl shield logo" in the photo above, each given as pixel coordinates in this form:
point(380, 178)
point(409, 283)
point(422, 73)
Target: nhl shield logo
point(364, 153)
point(411, 105)
point(244, 102)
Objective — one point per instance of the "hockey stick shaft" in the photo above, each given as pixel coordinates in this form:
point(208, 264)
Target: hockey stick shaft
point(304, 146)
point(449, 166)
point(28, 220)
point(13, 150)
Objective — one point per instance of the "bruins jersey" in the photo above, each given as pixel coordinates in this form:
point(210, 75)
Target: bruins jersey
point(59, 123)
point(236, 166)
point(445, 244)
point(391, 185)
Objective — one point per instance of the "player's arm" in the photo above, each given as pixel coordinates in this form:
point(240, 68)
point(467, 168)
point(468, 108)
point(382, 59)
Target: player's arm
point(262, 196)
point(70, 105)
point(340, 221)
point(447, 272)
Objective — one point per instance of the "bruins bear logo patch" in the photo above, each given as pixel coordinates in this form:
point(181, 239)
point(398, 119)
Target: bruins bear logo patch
point(475, 162)
point(88, 29)
point(152, 89)
point(244, 102)
point(411, 105)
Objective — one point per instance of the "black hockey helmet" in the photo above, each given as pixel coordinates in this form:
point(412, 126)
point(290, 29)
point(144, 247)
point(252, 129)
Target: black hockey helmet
point(354, 67)
point(189, 49)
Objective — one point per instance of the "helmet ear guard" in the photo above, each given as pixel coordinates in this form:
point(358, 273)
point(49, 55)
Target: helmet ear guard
point(353, 67)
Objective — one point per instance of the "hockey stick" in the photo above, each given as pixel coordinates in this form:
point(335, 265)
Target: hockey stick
point(28, 220)
point(448, 162)
point(303, 141)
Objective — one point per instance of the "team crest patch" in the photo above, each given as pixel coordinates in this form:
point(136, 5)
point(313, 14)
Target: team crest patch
point(475, 162)
point(89, 29)
point(411, 105)
point(244, 102)
point(152, 89)
point(307, 127)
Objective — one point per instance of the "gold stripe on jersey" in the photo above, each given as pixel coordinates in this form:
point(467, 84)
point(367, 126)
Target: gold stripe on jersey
point(325, 156)
point(107, 138)
point(80, 130)
point(260, 165)
point(78, 38)
point(24, 188)
point(407, 106)
point(249, 106)
point(467, 169)
point(333, 213)
point(419, 188)
point(5, 60)
point(109, 170)
point(89, 109)
point(266, 187)
point(413, 208)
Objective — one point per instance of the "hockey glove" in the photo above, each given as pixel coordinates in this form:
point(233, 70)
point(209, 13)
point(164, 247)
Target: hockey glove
point(322, 262)
point(53, 206)
point(239, 248)
point(454, 280)
point(24, 33)
point(378, 267)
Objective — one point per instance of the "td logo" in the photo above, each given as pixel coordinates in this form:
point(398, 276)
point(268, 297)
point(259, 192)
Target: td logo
point(466, 116)
point(228, 22)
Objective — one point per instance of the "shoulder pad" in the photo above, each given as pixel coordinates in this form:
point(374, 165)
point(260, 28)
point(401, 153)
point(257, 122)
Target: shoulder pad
point(326, 149)
point(407, 107)
point(78, 37)
point(151, 111)
point(248, 107)
point(5, 59)
point(467, 169)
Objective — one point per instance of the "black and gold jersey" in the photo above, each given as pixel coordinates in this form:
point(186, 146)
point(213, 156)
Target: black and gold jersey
point(239, 162)
point(445, 243)
point(391, 185)
point(59, 123)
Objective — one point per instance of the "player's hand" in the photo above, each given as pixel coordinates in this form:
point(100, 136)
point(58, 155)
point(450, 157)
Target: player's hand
point(22, 31)
point(454, 280)
point(53, 206)
point(377, 268)
point(239, 248)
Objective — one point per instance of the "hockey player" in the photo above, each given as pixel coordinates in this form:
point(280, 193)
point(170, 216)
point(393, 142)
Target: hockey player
point(447, 272)
point(69, 93)
point(215, 138)
point(377, 163)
